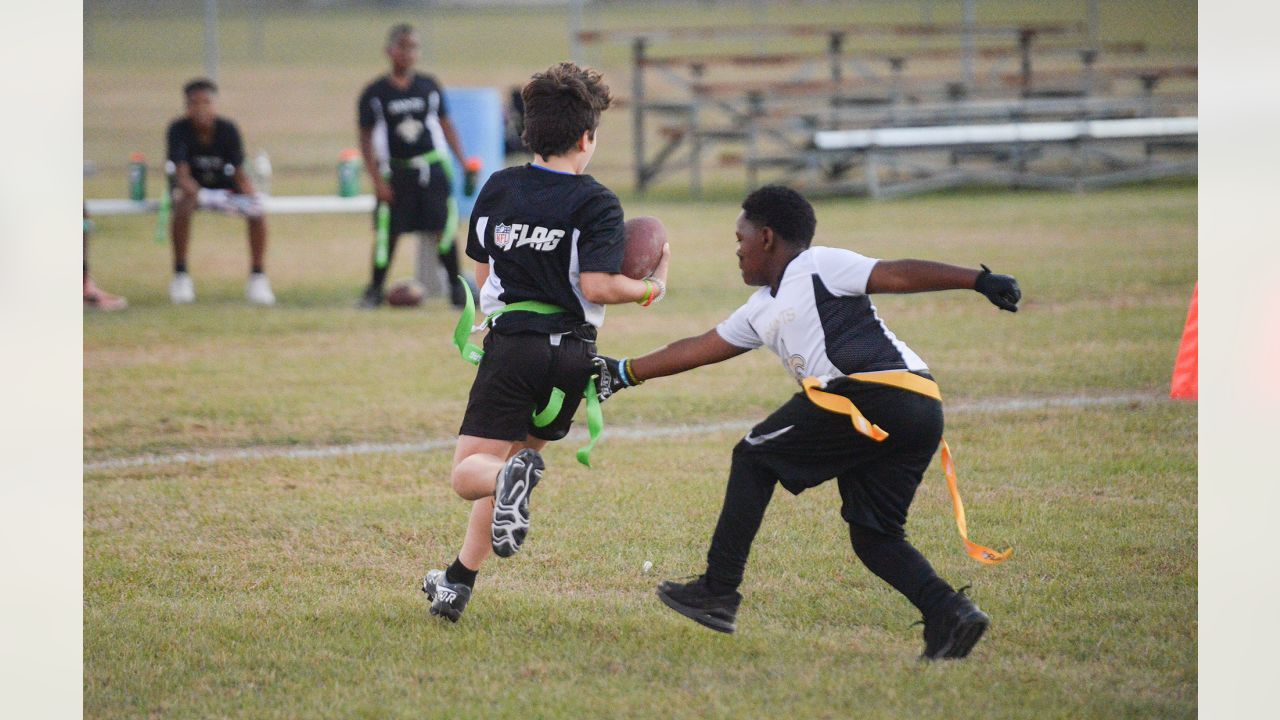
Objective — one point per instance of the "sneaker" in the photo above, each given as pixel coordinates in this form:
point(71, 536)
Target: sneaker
point(954, 628)
point(371, 299)
point(695, 601)
point(447, 599)
point(258, 291)
point(181, 290)
point(511, 501)
point(99, 299)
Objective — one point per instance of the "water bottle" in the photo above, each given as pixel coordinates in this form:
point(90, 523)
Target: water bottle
point(471, 173)
point(262, 172)
point(348, 173)
point(137, 176)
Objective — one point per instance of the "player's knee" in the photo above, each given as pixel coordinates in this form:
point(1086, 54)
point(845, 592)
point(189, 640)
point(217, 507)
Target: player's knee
point(458, 479)
point(863, 537)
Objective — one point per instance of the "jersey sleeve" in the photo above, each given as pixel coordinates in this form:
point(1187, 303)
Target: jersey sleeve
point(365, 115)
point(479, 225)
point(737, 331)
point(601, 244)
point(844, 272)
point(177, 148)
point(235, 146)
point(443, 110)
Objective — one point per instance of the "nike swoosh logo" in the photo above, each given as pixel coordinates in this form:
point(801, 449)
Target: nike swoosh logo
point(757, 439)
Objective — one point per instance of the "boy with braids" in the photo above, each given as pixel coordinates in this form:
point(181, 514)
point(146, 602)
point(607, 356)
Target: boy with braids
point(548, 246)
point(813, 309)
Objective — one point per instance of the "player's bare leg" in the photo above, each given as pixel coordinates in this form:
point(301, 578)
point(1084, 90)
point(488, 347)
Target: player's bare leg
point(258, 291)
point(477, 465)
point(181, 289)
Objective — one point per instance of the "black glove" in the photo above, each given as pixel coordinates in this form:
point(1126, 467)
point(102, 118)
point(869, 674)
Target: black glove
point(613, 376)
point(1001, 290)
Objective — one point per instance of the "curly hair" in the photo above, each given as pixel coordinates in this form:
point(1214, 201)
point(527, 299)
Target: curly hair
point(559, 105)
point(784, 210)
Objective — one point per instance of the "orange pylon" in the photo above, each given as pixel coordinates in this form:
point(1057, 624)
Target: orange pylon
point(1185, 384)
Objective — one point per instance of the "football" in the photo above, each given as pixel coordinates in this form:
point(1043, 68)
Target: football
point(406, 293)
point(643, 248)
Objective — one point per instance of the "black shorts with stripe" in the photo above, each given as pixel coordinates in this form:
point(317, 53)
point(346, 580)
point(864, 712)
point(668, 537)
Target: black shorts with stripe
point(516, 380)
point(417, 207)
point(804, 446)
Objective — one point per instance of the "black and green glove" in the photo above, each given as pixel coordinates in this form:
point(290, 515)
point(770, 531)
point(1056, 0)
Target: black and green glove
point(614, 375)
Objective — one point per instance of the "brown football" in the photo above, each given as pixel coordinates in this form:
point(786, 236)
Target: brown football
point(406, 293)
point(643, 248)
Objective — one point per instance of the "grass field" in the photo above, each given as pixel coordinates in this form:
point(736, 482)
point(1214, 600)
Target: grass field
point(264, 488)
point(286, 587)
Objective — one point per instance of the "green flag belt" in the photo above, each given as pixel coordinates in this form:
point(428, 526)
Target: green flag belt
point(435, 156)
point(472, 353)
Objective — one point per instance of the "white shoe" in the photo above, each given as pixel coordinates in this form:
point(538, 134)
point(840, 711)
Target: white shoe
point(258, 291)
point(181, 290)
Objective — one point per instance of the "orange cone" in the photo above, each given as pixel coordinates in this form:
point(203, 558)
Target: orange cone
point(1185, 384)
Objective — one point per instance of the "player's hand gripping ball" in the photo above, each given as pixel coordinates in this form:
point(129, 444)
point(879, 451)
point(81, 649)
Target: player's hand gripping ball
point(643, 247)
point(406, 293)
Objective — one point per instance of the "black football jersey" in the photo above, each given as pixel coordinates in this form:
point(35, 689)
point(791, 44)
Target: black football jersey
point(407, 120)
point(538, 229)
point(213, 165)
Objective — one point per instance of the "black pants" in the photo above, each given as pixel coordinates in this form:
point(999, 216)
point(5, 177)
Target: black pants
point(801, 445)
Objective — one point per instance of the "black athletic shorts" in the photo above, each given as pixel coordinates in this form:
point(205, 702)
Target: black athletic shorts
point(417, 207)
point(515, 380)
point(805, 446)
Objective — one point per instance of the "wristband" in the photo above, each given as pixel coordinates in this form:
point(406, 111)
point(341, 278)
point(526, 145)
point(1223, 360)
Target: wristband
point(648, 295)
point(651, 298)
point(628, 375)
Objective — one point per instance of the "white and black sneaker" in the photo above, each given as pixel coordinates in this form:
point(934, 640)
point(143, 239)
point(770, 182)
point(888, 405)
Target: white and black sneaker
point(447, 599)
point(511, 501)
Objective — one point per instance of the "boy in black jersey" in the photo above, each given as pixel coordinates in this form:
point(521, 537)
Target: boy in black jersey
point(813, 309)
point(206, 169)
point(404, 127)
point(548, 246)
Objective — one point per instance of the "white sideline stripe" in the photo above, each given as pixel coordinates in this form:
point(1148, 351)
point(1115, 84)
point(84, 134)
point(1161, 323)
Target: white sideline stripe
point(630, 433)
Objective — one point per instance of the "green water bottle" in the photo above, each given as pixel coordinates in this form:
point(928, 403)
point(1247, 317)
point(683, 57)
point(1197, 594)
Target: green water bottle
point(137, 176)
point(348, 173)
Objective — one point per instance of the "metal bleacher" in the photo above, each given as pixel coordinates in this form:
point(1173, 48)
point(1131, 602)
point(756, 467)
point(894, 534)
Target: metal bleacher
point(1022, 105)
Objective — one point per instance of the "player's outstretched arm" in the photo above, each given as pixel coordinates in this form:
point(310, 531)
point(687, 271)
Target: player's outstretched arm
point(679, 356)
point(909, 276)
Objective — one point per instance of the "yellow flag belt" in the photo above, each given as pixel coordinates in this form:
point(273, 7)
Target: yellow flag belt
point(831, 402)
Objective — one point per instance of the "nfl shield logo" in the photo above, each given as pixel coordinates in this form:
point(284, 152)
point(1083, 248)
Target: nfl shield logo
point(502, 236)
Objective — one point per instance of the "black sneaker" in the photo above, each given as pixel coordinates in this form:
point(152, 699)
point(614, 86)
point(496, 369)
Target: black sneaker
point(447, 599)
point(954, 628)
point(371, 299)
point(695, 601)
point(511, 501)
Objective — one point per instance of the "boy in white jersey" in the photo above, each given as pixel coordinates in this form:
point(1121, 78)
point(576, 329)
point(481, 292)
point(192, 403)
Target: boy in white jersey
point(813, 311)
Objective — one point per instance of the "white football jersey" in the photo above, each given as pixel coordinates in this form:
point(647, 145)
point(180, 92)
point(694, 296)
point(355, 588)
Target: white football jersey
point(821, 322)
